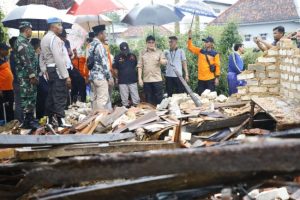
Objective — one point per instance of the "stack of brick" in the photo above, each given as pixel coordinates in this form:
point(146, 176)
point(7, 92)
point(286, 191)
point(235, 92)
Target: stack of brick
point(262, 78)
point(290, 70)
point(276, 73)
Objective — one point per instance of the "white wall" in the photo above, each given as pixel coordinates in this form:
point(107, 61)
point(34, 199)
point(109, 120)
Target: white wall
point(256, 30)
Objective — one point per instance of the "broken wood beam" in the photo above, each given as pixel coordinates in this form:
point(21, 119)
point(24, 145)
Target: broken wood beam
point(42, 140)
point(214, 165)
point(217, 124)
point(85, 150)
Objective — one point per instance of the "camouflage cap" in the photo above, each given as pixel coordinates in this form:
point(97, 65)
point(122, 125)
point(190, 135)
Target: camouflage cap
point(25, 24)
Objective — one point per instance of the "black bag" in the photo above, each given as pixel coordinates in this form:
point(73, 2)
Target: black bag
point(91, 59)
point(212, 68)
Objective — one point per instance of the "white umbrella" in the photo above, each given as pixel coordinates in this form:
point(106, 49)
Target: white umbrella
point(37, 15)
point(89, 21)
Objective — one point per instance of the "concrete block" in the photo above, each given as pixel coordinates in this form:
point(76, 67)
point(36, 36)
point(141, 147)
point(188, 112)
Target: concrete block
point(256, 67)
point(271, 67)
point(291, 77)
point(296, 78)
point(273, 90)
point(245, 98)
point(298, 69)
point(246, 75)
point(266, 60)
point(274, 74)
point(293, 86)
point(270, 81)
point(296, 61)
point(273, 52)
point(293, 69)
point(288, 68)
point(252, 82)
point(242, 90)
point(298, 87)
point(255, 89)
point(291, 95)
point(260, 74)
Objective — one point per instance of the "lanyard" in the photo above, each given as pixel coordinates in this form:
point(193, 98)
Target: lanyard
point(173, 55)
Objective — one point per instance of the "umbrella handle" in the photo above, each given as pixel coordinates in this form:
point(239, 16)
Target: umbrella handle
point(192, 21)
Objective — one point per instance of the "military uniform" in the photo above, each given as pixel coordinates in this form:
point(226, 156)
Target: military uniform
point(53, 62)
point(26, 63)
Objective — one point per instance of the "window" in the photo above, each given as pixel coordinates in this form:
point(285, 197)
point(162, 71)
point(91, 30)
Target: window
point(263, 36)
point(247, 38)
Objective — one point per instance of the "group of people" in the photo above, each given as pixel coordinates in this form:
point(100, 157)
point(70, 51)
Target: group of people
point(36, 77)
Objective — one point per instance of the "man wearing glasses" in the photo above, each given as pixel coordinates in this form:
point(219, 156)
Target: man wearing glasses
point(149, 71)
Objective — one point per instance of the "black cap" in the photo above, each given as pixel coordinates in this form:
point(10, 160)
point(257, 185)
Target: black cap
point(208, 39)
point(4, 46)
point(173, 38)
point(124, 46)
point(150, 38)
point(98, 29)
point(91, 34)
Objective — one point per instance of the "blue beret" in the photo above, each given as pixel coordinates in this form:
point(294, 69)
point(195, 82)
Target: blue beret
point(54, 20)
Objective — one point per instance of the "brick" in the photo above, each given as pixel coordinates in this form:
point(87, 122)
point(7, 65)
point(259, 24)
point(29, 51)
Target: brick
point(255, 89)
point(242, 90)
point(256, 67)
point(298, 70)
point(246, 98)
point(291, 77)
point(273, 74)
point(291, 95)
point(266, 60)
point(288, 68)
point(271, 67)
point(274, 90)
point(298, 87)
point(293, 69)
point(270, 81)
point(252, 82)
point(260, 74)
point(296, 61)
point(246, 75)
point(296, 78)
point(272, 52)
point(282, 52)
point(293, 86)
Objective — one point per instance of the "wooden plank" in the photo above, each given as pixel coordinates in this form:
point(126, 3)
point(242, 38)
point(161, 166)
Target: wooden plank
point(84, 150)
point(230, 105)
point(149, 117)
point(41, 140)
point(7, 153)
point(217, 124)
point(109, 119)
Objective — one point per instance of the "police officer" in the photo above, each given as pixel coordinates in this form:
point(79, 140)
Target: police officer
point(26, 70)
point(53, 65)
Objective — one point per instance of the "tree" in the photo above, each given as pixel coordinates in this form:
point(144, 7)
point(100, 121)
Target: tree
point(229, 37)
point(3, 30)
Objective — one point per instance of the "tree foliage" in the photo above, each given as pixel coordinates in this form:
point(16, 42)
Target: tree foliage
point(3, 30)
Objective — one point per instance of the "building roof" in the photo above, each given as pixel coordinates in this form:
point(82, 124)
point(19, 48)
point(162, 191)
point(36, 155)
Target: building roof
point(141, 31)
point(222, 2)
point(259, 11)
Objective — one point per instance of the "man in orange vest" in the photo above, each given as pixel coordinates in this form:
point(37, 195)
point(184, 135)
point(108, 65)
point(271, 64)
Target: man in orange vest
point(6, 86)
point(208, 64)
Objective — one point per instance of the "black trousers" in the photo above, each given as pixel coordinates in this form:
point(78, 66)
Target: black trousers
point(174, 86)
point(41, 98)
point(78, 90)
point(7, 100)
point(203, 85)
point(57, 94)
point(154, 92)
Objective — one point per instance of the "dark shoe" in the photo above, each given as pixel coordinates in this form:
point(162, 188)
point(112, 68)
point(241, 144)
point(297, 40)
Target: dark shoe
point(62, 123)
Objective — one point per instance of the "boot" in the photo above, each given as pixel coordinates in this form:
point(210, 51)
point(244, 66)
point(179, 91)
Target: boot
point(28, 118)
point(62, 123)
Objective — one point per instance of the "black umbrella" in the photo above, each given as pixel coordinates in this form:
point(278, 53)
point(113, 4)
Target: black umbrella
point(58, 4)
point(153, 14)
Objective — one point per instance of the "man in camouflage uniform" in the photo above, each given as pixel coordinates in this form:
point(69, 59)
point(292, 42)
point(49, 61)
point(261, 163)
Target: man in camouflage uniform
point(26, 70)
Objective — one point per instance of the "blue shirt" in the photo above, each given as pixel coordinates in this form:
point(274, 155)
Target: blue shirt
point(236, 66)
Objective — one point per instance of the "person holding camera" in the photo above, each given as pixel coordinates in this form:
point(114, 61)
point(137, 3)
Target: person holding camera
point(208, 64)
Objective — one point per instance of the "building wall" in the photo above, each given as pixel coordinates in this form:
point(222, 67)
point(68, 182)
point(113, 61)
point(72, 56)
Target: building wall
point(256, 30)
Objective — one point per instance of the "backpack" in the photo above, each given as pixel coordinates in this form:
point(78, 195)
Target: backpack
point(91, 59)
